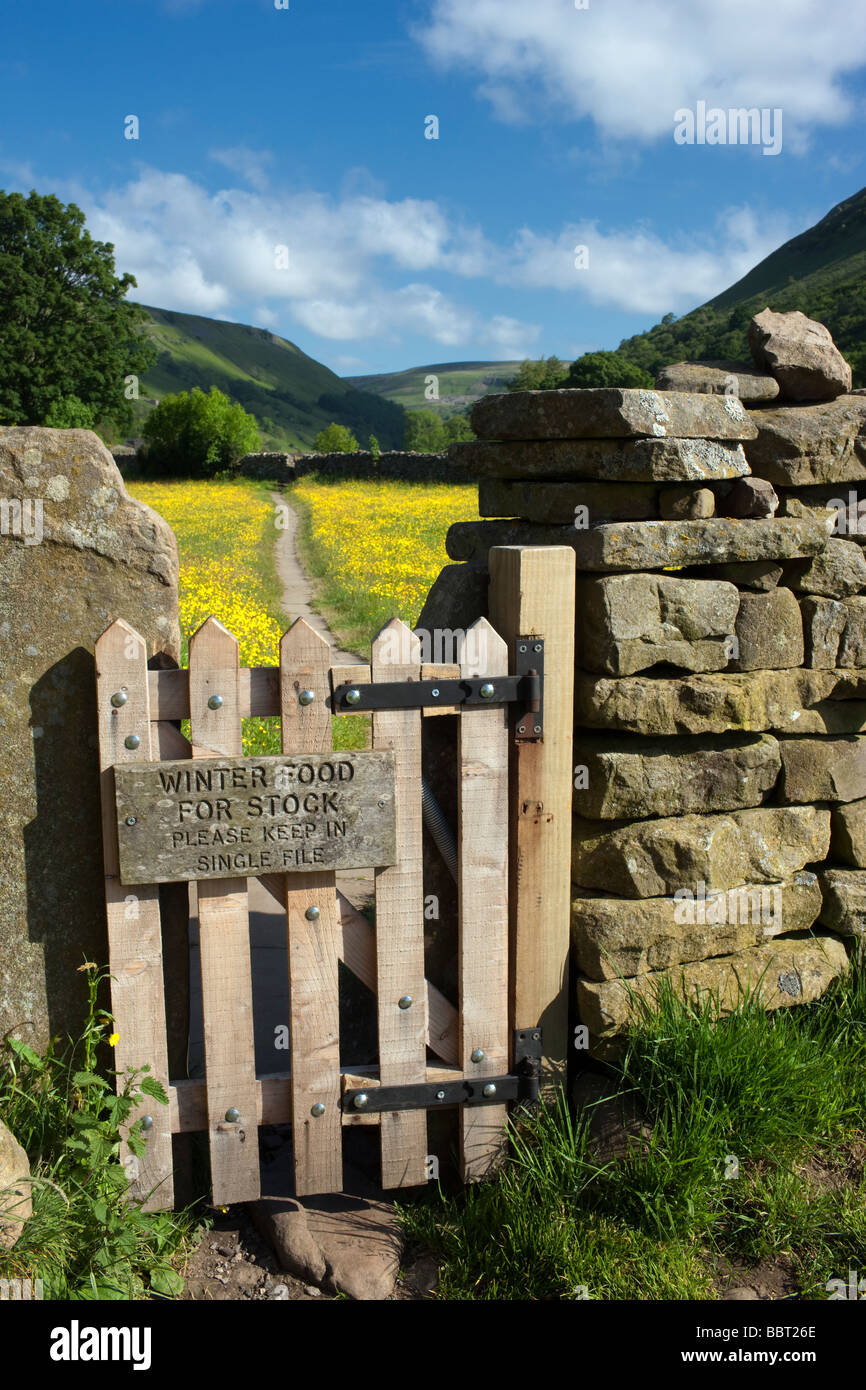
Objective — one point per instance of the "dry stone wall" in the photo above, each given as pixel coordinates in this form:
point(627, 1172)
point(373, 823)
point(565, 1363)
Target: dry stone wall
point(410, 467)
point(720, 701)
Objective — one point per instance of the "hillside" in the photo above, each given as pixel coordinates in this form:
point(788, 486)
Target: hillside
point(460, 384)
point(291, 395)
point(822, 272)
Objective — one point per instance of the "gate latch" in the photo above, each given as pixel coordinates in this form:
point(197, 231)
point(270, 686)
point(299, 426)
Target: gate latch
point(525, 688)
point(521, 1085)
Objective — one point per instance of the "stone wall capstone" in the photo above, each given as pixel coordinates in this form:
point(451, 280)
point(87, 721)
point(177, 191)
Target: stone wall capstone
point(76, 551)
point(409, 467)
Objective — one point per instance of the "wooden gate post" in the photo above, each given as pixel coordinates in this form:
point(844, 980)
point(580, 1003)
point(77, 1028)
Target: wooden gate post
point(532, 593)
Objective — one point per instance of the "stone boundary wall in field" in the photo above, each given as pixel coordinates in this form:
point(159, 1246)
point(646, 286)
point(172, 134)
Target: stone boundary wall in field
point(720, 697)
point(285, 468)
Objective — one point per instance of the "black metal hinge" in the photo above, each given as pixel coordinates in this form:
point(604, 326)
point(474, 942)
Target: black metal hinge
point(525, 687)
point(519, 1085)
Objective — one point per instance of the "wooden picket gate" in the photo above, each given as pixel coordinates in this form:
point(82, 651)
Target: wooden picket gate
point(513, 896)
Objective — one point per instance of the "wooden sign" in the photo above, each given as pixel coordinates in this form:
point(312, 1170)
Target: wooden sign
point(242, 817)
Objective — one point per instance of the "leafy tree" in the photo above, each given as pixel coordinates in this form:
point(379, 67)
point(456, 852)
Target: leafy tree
point(196, 435)
point(336, 439)
point(69, 413)
point(458, 429)
point(425, 432)
point(66, 330)
point(546, 374)
point(374, 446)
point(606, 369)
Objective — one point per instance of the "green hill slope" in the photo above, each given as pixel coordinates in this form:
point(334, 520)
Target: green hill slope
point(460, 384)
point(291, 395)
point(822, 272)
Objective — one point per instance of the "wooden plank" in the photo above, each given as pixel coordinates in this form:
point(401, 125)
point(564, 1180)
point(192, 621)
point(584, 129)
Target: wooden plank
point(482, 889)
point(224, 936)
point(532, 593)
point(258, 693)
point(133, 917)
point(440, 672)
point(188, 1099)
point(400, 921)
point(314, 1016)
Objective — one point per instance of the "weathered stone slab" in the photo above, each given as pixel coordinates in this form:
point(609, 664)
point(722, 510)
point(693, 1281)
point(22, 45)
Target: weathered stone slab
point(457, 599)
point(630, 622)
point(578, 504)
point(801, 355)
point(719, 378)
point(761, 575)
point(797, 701)
point(848, 833)
point(609, 413)
point(789, 970)
point(831, 768)
point(750, 497)
point(653, 858)
point(804, 445)
point(607, 460)
point(839, 570)
point(844, 906)
point(769, 632)
point(835, 632)
point(618, 936)
point(657, 777)
point(75, 553)
point(225, 817)
point(648, 545)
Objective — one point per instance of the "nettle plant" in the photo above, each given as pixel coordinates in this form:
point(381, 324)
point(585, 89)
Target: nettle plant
point(88, 1238)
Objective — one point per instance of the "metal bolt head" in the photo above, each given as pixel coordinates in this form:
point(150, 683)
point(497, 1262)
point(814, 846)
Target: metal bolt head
point(405, 1002)
point(131, 820)
point(119, 698)
point(435, 694)
point(131, 741)
point(360, 1100)
point(487, 691)
point(233, 1115)
point(147, 1122)
point(312, 914)
point(537, 647)
point(306, 697)
point(477, 1054)
point(521, 728)
point(489, 1089)
point(317, 1110)
point(215, 702)
point(440, 1095)
point(353, 697)
point(536, 729)
point(522, 647)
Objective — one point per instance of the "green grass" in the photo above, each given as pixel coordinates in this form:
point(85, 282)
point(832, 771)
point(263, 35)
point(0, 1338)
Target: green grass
point(460, 380)
point(784, 1094)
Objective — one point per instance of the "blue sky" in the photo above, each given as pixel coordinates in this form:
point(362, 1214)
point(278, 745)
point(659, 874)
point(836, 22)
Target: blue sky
point(303, 128)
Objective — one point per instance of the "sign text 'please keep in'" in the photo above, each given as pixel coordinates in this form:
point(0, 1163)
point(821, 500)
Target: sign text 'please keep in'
point(243, 817)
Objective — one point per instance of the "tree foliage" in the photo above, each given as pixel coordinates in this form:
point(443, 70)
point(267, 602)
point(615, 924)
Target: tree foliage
point(336, 439)
point(193, 435)
point(545, 374)
point(427, 433)
point(605, 369)
point(66, 330)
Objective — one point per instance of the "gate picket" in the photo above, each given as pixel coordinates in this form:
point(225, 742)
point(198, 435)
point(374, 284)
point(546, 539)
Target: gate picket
point(314, 944)
point(400, 921)
point(482, 809)
point(132, 914)
point(224, 935)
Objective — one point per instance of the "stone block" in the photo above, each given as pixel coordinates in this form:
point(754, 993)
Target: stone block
point(719, 378)
point(620, 937)
point(688, 503)
point(605, 460)
point(769, 632)
point(632, 777)
point(653, 858)
point(830, 768)
point(806, 445)
point(627, 623)
point(836, 572)
point(578, 504)
point(844, 901)
point(788, 970)
point(800, 354)
point(848, 833)
point(609, 413)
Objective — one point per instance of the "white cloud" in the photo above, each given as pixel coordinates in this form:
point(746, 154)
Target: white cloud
point(630, 64)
